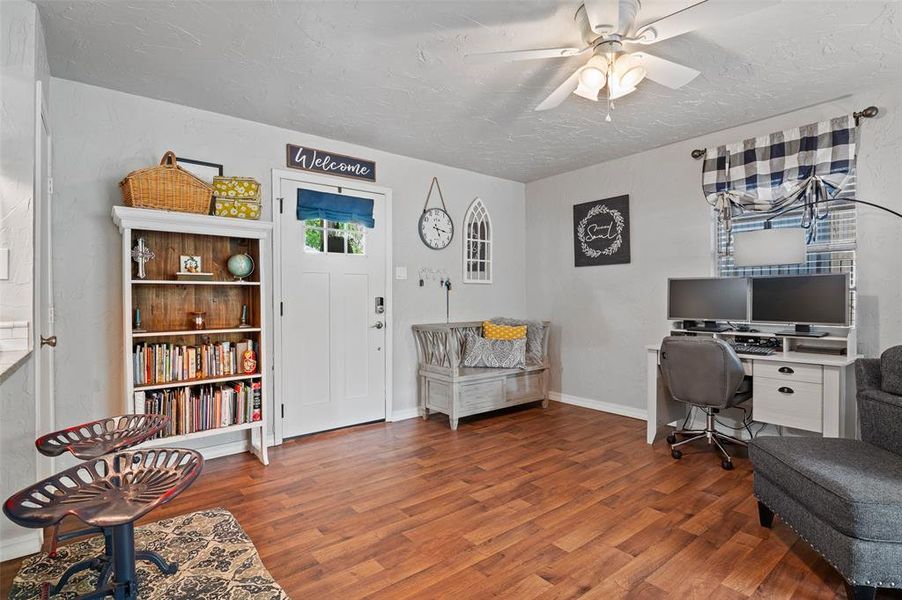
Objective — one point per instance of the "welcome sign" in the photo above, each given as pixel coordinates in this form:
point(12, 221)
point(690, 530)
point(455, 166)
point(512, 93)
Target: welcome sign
point(329, 163)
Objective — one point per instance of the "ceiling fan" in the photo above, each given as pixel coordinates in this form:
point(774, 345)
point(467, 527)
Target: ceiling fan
point(611, 30)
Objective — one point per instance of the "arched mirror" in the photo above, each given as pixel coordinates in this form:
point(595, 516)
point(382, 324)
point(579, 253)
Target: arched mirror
point(477, 240)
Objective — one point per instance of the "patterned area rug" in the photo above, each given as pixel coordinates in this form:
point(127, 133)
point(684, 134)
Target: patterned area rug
point(216, 561)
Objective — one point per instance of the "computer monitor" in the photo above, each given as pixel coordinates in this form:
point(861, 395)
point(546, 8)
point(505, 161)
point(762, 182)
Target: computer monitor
point(708, 299)
point(802, 300)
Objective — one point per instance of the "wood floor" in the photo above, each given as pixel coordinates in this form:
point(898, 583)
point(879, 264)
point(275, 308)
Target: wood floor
point(554, 504)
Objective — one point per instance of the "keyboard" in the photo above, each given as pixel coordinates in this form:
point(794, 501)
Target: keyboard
point(752, 349)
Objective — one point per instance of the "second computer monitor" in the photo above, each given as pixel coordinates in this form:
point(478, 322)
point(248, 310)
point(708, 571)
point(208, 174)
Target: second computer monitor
point(708, 299)
point(805, 299)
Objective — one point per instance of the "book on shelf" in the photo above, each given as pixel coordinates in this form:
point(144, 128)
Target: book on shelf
point(166, 363)
point(205, 407)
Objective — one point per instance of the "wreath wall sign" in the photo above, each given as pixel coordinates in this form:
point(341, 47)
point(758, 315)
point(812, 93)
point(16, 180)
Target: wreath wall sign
point(601, 232)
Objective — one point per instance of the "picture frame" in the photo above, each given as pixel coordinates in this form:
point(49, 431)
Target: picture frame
point(601, 232)
point(190, 264)
point(200, 168)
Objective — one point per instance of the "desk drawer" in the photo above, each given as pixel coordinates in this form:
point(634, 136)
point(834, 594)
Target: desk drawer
point(789, 372)
point(792, 404)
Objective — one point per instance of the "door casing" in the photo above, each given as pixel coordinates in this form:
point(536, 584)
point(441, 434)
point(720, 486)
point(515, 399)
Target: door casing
point(278, 175)
point(43, 277)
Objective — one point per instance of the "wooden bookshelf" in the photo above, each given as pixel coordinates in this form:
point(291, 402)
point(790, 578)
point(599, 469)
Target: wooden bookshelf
point(176, 282)
point(167, 305)
point(198, 381)
point(194, 332)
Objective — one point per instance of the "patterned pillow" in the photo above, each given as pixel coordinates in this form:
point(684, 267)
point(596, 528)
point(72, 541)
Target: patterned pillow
point(493, 331)
point(507, 354)
point(535, 333)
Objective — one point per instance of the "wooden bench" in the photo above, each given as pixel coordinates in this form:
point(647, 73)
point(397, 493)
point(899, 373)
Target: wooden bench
point(445, 386)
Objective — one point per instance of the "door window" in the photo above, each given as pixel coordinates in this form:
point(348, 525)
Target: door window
point(330, 237)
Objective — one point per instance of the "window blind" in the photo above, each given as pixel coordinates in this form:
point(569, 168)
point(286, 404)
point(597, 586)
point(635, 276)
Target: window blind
point(833, 252)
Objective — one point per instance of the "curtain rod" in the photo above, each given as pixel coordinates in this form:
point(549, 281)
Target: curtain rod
point(867, 113)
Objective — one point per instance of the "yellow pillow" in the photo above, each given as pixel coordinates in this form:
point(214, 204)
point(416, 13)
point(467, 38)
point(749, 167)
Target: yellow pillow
point(491, 331)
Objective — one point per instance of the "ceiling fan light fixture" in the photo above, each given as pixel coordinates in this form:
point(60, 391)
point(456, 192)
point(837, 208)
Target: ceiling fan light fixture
point(591, 79)
point(628, 71)
point(618, 92)
point(589, 83)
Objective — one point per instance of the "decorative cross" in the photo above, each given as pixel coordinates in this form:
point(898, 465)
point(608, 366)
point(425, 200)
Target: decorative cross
point(141, 254)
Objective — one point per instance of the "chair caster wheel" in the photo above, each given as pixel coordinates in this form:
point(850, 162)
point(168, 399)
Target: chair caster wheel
point(676, 454)
point(727, 464)
point(671, 439)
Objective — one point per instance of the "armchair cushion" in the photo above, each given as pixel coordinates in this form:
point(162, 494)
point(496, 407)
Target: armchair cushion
point(880, 415)
point(891, 370)
point(853, 486)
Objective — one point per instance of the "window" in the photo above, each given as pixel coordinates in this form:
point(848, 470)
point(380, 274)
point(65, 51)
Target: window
point(334, 238)
point(833, 251)
point(477, 244)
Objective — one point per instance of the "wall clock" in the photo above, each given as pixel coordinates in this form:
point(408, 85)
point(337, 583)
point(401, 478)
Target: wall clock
point(436, 227)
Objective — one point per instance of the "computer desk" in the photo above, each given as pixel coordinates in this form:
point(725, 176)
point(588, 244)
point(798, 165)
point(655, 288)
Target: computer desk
point(803, 390)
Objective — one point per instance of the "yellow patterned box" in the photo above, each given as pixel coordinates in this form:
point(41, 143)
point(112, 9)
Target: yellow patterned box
point(236, 207)
point(236, 187)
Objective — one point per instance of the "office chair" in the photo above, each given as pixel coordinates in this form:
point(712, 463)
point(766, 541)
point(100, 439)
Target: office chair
point(704, 372)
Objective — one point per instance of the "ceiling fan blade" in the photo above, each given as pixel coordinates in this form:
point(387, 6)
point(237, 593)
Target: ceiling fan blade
point(665, 72)
point(603, 15)
point(512, 55)
point(560, 94)
point(698, 16)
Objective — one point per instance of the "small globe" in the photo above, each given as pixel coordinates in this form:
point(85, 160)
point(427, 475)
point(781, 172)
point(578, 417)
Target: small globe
point(240, 265)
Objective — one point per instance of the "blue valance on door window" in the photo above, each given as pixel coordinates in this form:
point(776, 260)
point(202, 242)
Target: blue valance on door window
point(335, 208)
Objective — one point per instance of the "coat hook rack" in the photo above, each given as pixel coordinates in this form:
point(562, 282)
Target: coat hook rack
point(866, 113)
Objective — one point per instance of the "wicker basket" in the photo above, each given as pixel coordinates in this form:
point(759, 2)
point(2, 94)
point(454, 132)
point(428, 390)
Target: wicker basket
point(166, 187)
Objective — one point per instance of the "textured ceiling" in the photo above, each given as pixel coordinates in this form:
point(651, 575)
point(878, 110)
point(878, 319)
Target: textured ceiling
point(393, 75)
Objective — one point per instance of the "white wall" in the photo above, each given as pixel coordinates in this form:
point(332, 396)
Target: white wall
point(23, 57)
point(101, 135)
point(604, 316)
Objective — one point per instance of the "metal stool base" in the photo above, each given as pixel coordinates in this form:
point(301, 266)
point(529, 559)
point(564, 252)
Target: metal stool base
point(106, 563)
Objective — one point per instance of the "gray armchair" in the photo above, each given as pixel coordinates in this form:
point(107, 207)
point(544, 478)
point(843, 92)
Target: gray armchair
point(844, 497)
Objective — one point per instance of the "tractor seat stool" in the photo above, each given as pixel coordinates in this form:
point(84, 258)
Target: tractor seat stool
point(110, 492)
point(92, 440)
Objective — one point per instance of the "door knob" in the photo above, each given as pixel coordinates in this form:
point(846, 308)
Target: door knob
point(48, 341)
point(379, 325)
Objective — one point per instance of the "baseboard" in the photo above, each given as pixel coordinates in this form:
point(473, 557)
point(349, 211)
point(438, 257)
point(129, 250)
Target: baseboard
point(407, 413)
point(229, 448)
point(21, 545)
point(608, 407)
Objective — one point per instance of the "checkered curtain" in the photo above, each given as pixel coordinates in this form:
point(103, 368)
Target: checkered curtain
point(803, 167)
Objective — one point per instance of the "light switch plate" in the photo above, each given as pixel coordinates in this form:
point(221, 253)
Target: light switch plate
point(4, 264)
point(400, 272)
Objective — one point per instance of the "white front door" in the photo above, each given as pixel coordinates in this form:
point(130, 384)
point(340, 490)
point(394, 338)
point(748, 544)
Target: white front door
point(332, 331)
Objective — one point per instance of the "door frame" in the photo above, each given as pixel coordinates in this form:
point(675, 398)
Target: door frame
point(44, 416)
point(278, 175)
